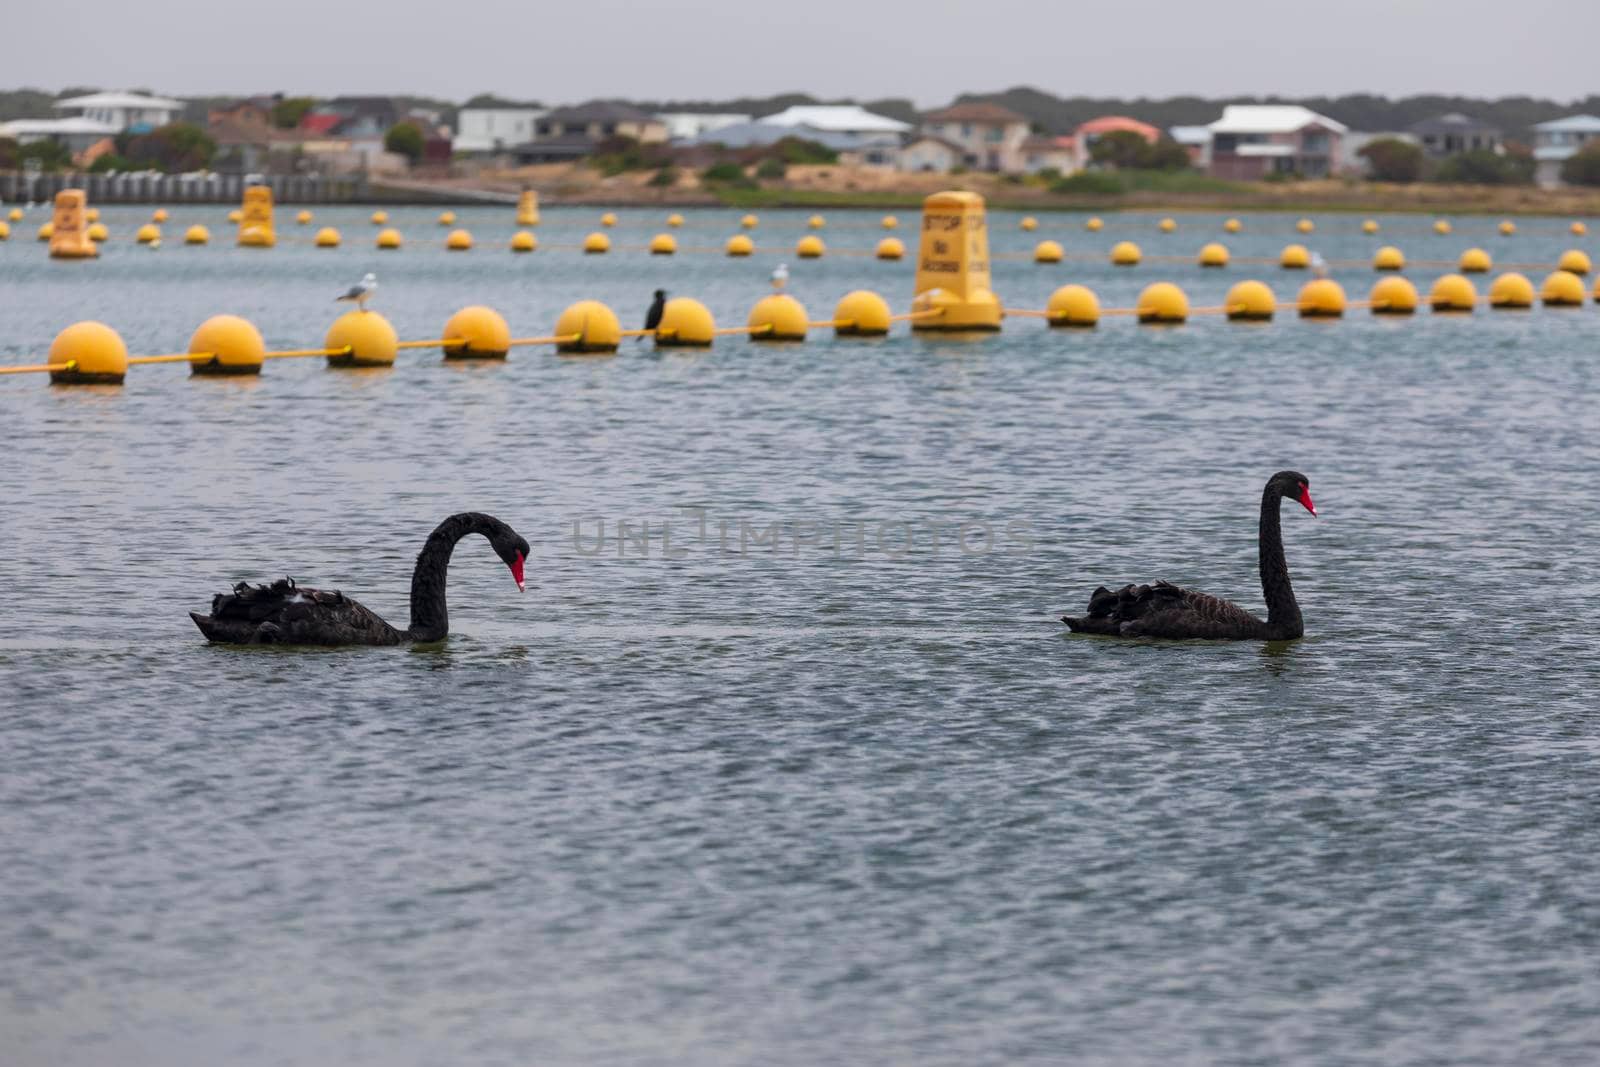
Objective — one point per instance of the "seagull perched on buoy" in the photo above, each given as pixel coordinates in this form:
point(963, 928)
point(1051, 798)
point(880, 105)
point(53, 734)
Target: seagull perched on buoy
point(780, 276)
point(361, 292)
point(652, 318)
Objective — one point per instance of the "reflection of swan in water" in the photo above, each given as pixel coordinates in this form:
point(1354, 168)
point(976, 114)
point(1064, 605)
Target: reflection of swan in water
point(1165, 610)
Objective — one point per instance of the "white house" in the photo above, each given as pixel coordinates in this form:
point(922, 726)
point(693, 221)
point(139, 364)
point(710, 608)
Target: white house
point(74, 134)
point(1251, 141)
point(126, 111)
point(688, 125)
point(838, 118)
point(491, 129)
point(1557, 141)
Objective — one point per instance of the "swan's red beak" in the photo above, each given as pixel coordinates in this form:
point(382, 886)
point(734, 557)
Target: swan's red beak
point(516, 572)
point(1305, 500)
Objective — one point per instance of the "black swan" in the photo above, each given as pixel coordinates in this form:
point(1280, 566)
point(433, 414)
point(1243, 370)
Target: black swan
point(1165, 610)
point(285, 614)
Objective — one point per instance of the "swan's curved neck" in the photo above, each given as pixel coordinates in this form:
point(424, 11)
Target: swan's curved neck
point(1283, 611)
point(430, 617)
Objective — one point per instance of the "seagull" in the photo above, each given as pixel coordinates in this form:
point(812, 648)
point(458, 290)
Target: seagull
point(652, 318)
point(361, 292)
point(780, 276)
point(1319, 266)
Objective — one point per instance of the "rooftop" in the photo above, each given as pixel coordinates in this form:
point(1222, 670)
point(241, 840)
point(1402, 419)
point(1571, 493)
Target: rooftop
point(45, 127)
point(1454, 122)
point(1114, 123)
point(1271, 118)
point(1570, 124)
point(129, 100)
point(599, 111)
point(837, 118)
point(974, 112)
point(1190, 134)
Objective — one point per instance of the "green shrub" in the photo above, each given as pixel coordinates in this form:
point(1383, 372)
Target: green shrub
point(1583, 166)
point(665, 178)
point(772, 169)
point(1091, 183)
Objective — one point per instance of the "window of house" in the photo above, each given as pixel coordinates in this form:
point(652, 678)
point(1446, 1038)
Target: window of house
point(966, 129)
point(995, 134)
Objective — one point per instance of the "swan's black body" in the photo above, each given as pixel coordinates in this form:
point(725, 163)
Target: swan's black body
point(1164, 610)
point(285, 614)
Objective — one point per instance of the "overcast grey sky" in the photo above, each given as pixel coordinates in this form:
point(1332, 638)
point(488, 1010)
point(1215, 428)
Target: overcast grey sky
point(695, 49)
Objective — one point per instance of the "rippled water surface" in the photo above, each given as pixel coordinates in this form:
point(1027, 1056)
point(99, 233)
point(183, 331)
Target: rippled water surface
point(848, 793)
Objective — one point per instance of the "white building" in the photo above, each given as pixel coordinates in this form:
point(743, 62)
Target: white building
point(688, 125)
point(125, 111)
point(74, 134)
point(494, 129)
point(1559, 140)
point(838, 118)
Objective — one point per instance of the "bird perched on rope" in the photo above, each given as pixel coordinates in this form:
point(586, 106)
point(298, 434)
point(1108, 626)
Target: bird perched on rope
point(652, 318)
point(780, 277)
point(1319, 266)
point(360, 292)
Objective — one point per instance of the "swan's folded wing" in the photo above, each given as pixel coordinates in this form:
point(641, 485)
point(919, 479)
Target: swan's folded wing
point(1185, 613)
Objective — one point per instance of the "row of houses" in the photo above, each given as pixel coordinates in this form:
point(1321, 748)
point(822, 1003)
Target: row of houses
point(346, 134)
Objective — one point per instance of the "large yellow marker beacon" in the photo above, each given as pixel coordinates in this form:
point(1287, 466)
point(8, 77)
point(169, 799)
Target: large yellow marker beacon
point(69, 234)
point(255, 220)
point(953, 266)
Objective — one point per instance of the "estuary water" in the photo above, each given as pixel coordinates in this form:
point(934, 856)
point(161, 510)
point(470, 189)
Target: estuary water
point(784, 757)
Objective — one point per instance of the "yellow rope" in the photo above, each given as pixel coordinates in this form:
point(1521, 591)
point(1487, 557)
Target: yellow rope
point(559, 339)
point(291, 353)
point(39, 368)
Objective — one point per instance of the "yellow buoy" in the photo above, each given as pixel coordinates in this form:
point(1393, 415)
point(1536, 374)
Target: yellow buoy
point(1214, 254)
point(1294, 257)
point(1073, 306)
point(1305, 226)
point(235, 346)
point(1507, 227)
point(739, 245)
point(1093, 224)
point(367, 338)
point(47, 231)
point(816, 222)
point(1452, 292)
point(608, 219)
point(389, 238)
point(861, 313)
point(528, 208)
point(662, 244)
point(523, 241)
point(674, 220)
point(596, 244)
point(1474, 261)
point(147, 233)
point(1572, 260)
point(749, 222)
point(91, 214)
point(1562, 289)
point(1047, 252)
point(1250, 301)
point(256, 237)
point(327, 237)
point(236, 216)
point(1167, 225)
point(476, 332)
point(890, 248)
point(1394, 296)
point(1388, 258)
point(1028, 224)
point(68, 238)
point(88, 353)
point(685, 322)
point(303, 218)
point(1578, 229)
point(196, 235)
point(1369, 226)
point(158, 215)
point(1321, 298)
point(5, 230)
point(890, 222)
point(1511, 290)
point(1232, 226)
point(588, 326)
point(1163, 302)
point(1125, 254)
point(380, 218)
point(778, 317)
point(447, 218)
point(1441, 226)
point(98, 232)
point(954, 285)
point(458, 241)
point(810, 247)
point(15, 214)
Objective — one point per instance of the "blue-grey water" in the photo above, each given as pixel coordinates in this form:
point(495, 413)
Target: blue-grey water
point(851, 795)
